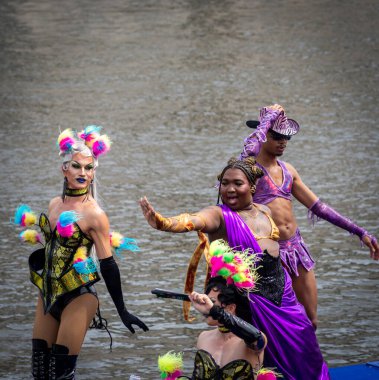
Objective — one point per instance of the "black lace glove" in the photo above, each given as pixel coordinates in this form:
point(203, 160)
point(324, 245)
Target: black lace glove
point(250, 334)
point(111, 275)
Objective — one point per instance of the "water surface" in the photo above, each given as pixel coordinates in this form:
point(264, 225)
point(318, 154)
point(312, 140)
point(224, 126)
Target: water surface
point(172, 82)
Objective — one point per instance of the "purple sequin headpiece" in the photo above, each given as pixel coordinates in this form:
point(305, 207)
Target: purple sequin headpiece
point(281, 124)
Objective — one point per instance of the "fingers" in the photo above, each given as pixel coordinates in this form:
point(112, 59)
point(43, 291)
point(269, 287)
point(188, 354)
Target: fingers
point(143, 326)
point(198, 298)
point(375, 246)
point(372, 244)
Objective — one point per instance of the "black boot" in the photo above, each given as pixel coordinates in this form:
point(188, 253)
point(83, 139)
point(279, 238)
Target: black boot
point(62, 366)
point(40, 359)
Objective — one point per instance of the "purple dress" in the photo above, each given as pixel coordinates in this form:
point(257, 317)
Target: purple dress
point(292, 346)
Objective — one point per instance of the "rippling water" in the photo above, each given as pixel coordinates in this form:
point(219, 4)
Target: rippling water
point(172, 82)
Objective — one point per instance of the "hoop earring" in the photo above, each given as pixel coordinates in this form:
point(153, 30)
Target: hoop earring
point(65, 185)
point(253, 188)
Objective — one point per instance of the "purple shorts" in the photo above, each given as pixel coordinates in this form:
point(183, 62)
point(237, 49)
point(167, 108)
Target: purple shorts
point(294, 252)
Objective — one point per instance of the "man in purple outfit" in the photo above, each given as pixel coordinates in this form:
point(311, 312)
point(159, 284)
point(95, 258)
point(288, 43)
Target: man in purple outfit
point(280, 183)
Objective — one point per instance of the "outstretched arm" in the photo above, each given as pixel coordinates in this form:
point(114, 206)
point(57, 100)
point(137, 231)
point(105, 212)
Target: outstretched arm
point(304, 195)
point(207, 220)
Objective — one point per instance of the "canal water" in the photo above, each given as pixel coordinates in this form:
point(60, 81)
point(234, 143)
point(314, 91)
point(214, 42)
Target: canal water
point(172, 83)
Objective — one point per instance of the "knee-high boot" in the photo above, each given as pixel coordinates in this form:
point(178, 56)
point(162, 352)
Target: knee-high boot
point(40, 359)
point(62, 366)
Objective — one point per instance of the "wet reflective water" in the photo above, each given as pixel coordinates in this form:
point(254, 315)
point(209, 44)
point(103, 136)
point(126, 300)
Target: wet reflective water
point(172, 82)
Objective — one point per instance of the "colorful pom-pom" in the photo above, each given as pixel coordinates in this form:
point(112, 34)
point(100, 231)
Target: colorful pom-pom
point(235, 266)
point(218, 247)
point(65, 223)
point(170, 365)
point(80, 254)
point(66, 140)
point(82, 263)
point(101, 145)
point(86, 266)
point(30, 236)
point(267, 374)
point(90, 134)
point(121, 243)
point(24, 216)
point(228, 257)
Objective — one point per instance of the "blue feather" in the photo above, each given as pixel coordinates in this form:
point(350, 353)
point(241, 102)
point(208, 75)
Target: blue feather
point(21, 210)
point(127, 244)
point(68, 217)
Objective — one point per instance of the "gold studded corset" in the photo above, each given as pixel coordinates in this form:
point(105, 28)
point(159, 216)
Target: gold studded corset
point(51, 268)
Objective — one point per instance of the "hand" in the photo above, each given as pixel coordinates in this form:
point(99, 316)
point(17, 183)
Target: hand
point(148, 212)
point(129, 319)
point(372, 244)
point(201, 302)
point(270, 114)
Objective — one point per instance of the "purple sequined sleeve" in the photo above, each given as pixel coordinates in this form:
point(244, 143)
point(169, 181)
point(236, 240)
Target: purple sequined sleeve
point(323, 211)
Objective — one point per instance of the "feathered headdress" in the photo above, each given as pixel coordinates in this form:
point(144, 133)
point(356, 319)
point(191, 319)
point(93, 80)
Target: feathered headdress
point(236, 267)
point(88, 142)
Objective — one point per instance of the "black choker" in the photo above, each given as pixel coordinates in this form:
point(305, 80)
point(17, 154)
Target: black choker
point(223, 329)
point(75, 192)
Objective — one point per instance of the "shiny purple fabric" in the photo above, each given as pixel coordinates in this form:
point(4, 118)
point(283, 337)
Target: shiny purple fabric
point(294, 252)
point(292, 346)
point(267, 190)
point(324, 211)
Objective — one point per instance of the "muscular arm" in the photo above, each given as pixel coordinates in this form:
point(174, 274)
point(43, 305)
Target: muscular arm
point(300, 190)
point(99, 232)
point(207, 220)
point(305, 196)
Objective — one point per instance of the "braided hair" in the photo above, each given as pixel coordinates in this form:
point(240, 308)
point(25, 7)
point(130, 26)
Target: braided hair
point(247, 166)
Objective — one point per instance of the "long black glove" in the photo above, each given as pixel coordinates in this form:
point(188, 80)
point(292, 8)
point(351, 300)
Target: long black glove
point(111, 275)
point(251, 335)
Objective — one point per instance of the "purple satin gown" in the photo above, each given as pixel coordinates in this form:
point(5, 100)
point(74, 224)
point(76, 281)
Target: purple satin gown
point(292, 346)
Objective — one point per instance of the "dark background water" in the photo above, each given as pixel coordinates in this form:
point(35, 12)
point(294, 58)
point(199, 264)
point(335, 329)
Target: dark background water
point(172, 82)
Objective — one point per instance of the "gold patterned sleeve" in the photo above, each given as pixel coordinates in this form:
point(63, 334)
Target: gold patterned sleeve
point(180, 223)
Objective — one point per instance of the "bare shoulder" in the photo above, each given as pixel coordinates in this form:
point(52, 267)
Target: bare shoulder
point(291, 169)
point(54, 203)
point(289, 166)
point(212, 209)
point(95, 215)
point(204, 337)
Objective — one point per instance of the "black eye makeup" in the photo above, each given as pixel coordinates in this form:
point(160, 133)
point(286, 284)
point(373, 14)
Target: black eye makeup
point(76, 165)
